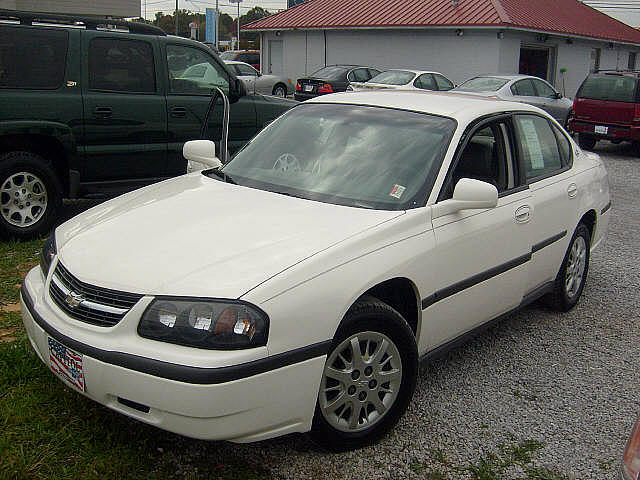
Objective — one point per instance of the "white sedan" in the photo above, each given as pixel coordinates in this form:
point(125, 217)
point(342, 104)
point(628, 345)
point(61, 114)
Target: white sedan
point(257, 82)
point(297, 287)
point(405, 80)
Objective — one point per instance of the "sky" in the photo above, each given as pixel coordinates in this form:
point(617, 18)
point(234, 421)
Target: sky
point(630, 16)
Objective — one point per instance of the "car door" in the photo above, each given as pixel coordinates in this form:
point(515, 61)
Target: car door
point(481, 256)
point(188, 100)
point(550, 102)
point(545, 159)
point(125, 117)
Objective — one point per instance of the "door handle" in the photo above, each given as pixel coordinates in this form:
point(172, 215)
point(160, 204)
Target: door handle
point(572, 190)
point(103, 112)
point(178, 112)
point(523, 214)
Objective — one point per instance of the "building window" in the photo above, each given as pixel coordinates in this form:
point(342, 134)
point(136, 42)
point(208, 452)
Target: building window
point(632, 61)
point(595, 59)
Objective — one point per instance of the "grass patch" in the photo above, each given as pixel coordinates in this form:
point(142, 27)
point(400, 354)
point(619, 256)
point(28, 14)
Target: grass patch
point(16, 259)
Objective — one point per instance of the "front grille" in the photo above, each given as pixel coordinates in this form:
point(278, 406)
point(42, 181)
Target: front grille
point(88, 303)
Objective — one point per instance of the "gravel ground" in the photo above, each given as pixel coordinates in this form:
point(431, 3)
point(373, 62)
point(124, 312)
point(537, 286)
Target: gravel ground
point(565, 380)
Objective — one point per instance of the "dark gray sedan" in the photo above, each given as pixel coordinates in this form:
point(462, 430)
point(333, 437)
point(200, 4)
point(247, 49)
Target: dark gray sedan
point(521, 88)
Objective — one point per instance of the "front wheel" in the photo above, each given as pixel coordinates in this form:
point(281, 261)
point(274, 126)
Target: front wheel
point(572, 276)
point(368, 379)
point(30, 195)
point(279, 90)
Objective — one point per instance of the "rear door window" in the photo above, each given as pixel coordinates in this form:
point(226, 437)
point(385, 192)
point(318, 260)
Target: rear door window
point(361, 74)
point(121, 65)
point(537, 146)
point(616, 88)
point(32, 57)
point(425, 81)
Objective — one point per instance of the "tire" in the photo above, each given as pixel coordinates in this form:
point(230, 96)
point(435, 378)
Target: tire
point(572, 276)
point(587, 142)
point(279, 90)
point(390, 351)
point(30, 195)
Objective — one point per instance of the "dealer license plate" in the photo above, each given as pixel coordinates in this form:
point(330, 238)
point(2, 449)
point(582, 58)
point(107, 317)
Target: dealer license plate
point(66, 363)
point(601, 129)
point(308, 88)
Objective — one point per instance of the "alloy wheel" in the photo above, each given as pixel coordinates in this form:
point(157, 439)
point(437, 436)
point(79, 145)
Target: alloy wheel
point(575, 266)
point(23, 199)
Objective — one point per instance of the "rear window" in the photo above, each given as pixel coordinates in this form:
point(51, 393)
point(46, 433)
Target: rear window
point(32, 57)
point(330, 72)
point(482, 84)
point(393, 77)
point(617, 88)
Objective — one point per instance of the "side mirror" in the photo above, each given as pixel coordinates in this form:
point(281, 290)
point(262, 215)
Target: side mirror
point(468, 194)
point(558, 96)
point(200, 155)
point(237, 89)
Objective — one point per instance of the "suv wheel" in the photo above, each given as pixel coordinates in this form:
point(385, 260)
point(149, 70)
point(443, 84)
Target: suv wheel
point(30, 195)
point(587, 141)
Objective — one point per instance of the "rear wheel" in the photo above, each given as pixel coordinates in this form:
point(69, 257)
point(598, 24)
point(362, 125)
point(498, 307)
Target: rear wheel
point(572, 276)
point(30, 195)
point(279, 90)
point(587, 141)
point(368, 379)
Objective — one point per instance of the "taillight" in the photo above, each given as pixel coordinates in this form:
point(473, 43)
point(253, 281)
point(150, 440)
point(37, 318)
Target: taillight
point(631, 457)
point(325, 88)
point(298, 86)
point(636, 113)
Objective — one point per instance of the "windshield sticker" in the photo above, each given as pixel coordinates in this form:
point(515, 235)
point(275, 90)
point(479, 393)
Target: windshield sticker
point(397, 191)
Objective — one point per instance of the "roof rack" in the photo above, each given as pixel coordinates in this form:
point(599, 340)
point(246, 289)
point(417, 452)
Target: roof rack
point(90, 23)
point(619, 70)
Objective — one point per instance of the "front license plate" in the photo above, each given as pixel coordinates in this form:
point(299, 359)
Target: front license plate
point(308, 88)
point(66, 363)
point(601, 129)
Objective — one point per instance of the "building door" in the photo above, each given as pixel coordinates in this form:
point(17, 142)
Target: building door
point(536, 61)
point(275, 57)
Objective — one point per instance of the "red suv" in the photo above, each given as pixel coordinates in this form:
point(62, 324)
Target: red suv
point(252, 57)
point(607, 107)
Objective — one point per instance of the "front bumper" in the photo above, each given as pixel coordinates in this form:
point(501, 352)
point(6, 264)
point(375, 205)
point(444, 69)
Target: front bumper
point(614, 132)
point(251, 401)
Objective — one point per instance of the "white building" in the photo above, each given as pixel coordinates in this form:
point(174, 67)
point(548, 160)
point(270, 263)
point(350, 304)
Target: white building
point(559, 40)
point(110, 8)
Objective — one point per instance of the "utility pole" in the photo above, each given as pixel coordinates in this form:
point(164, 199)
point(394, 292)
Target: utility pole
point(217, 30)
point(238, 37)
point(176, 17)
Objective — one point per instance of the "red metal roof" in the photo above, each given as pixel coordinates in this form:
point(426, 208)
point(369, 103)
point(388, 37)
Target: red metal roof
point(554, 16)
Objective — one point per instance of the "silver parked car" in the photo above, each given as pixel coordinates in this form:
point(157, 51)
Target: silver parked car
point(257, 82)
point(521, 88)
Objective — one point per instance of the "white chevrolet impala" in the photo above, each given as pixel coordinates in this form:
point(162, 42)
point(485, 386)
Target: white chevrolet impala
point(297, 287)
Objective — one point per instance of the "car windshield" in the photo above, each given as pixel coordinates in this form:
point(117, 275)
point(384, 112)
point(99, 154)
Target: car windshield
point(616, 88)
point(393, 77)
point(329, 72)
point(482, 84)
point(351, 155)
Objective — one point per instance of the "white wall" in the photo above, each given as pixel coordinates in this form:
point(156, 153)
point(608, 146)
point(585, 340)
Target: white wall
point(457, 57)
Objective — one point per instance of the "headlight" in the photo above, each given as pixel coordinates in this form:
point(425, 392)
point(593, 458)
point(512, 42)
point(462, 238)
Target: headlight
point(205, 323)
point(48, 252)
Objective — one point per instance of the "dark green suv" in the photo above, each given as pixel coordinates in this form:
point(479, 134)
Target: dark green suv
point(97, 107)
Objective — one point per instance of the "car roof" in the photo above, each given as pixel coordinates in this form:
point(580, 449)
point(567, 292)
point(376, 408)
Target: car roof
point(506, 76)
point(462, 107)
point(417, 72)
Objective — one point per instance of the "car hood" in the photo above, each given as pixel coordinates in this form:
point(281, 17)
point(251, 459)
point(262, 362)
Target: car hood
point(198, 236)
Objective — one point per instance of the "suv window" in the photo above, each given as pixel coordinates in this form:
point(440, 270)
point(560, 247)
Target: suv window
point(617, 88)
point(32, 57)
point(120, 65)
point(443, 82)
point(192, 72)
point(523, 88)
point(538, 146)
point(425, 81)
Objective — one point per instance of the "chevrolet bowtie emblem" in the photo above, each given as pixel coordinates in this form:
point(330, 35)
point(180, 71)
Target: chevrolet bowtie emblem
point(73, 299)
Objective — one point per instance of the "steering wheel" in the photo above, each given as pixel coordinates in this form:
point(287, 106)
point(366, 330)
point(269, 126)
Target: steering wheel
point(287, 162)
